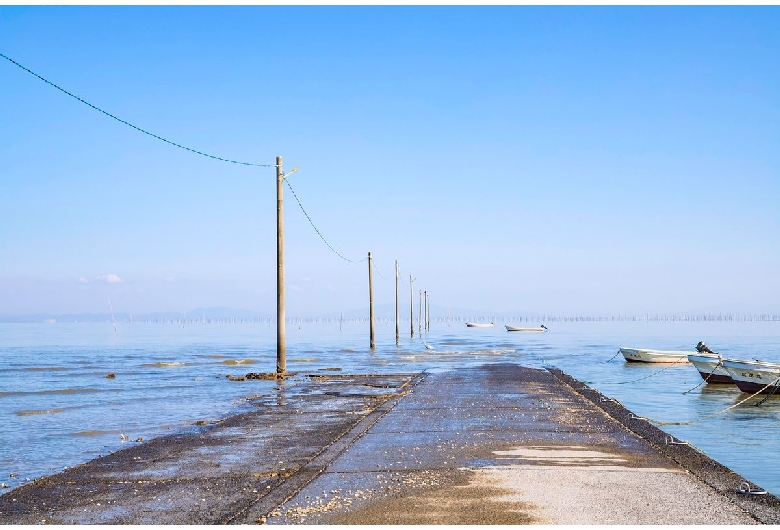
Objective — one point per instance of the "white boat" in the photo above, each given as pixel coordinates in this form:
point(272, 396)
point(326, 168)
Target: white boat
point(709, 364)
point(754, 376)
point(478, 325)
point(541, 328)
point(642, 355)
point(710, 367)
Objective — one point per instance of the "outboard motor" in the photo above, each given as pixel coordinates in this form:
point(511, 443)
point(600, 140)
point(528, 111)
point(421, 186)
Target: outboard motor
point(702, 348)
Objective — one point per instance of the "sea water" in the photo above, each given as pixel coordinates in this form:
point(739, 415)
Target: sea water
point(70, 392)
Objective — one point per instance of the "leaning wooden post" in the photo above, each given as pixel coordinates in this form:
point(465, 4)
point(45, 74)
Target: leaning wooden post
point(370, 301)
point(281, 346)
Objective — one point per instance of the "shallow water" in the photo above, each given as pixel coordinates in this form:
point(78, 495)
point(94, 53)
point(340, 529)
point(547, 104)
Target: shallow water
point(60, 409)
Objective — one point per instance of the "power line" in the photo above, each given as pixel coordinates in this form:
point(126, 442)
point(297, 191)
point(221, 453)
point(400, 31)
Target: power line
point(315, 228)
point(130, 124)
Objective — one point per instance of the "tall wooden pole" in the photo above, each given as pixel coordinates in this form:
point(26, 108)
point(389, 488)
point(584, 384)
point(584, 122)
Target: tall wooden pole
point(371, 301)
point(397, 335)
point(411, 305)
point(281, 340)
point(419, 316)
point(427, 312)
point(425, 320)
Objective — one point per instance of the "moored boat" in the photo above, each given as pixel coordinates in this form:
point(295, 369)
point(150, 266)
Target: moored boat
point(541, 328)
point(478, 325)
point(642, 355)
point(710, 365)
point(754, 376)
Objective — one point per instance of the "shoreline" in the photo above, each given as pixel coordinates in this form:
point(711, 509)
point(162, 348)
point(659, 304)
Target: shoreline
point(379, 439)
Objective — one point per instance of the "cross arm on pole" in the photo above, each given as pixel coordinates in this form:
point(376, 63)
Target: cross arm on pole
point(290, 173)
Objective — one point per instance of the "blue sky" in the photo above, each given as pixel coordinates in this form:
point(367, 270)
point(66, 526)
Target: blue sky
point(564, 160)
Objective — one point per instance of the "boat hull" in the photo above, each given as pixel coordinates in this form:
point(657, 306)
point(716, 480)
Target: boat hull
point(477, 325)
point(710, 367)
point(754, 376)
point(637, 355)
point(537, 330)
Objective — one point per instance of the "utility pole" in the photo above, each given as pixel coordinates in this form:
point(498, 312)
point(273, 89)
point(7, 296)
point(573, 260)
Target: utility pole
point(427, 312)
point(397, 336)
point(419, 316)
point(411, 305)
point(425, 320)
point(370, 301)
point(281, 340)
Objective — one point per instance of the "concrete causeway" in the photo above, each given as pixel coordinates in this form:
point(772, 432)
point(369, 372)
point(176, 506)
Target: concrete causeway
point(495, 444)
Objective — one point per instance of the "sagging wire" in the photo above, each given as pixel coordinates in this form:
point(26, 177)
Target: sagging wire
point(139, 129)
point(317, 230)
point(373, 262)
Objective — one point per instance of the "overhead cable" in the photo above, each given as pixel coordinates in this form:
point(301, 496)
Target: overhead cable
point(316, 229)
point(130, 124)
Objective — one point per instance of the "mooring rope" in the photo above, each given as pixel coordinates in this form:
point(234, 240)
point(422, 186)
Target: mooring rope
point(691, 422)
point(720, 361)
point(647, 376)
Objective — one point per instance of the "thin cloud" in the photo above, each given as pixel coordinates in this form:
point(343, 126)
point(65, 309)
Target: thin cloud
point(83, 280)
point(111, 278)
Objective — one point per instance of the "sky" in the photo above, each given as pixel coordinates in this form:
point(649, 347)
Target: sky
point(567, 160)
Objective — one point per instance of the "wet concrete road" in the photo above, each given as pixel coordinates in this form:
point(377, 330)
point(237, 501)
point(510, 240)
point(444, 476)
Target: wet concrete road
point(488, 445)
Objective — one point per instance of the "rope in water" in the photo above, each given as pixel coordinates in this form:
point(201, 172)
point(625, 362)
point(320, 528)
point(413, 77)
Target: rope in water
point(647, 376)
point(720, 361)
point(658, 422)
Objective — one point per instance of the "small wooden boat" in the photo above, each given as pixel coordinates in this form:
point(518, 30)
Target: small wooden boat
point(640, 355)
point(754, 376)
point(478, 325)
point(541, 328)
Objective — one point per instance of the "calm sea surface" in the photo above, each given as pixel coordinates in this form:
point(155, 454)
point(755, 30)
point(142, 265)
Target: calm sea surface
point(59, 409)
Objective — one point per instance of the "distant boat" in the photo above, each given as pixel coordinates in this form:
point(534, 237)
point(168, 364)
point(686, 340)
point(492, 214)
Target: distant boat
point(655, 356)
point(754, 376)
point(710, 365)
point(478, 325)
point(541, 328)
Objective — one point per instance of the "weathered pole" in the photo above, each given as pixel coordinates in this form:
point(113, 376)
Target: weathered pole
point(370, 301)
point(397, 336)
point(419, 316)
point(411, 305)
point(281, 341)
point(427, 311)
point(425, 319)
